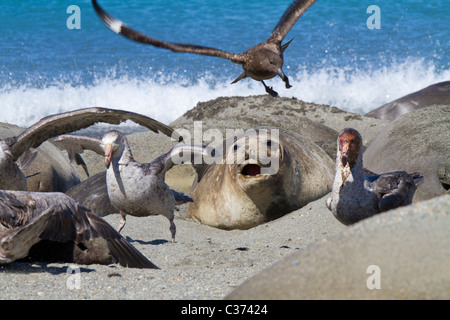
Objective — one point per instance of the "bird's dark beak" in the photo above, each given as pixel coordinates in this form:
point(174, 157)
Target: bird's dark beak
point(108, 155)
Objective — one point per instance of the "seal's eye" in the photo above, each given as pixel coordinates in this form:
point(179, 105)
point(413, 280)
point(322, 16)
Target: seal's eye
point(235, 147)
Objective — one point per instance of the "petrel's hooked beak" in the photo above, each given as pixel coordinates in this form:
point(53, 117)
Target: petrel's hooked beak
point(344, 154)
point(344, 160)
point(108, 155)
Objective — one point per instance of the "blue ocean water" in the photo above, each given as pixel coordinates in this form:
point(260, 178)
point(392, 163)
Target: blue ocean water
point(335, 58)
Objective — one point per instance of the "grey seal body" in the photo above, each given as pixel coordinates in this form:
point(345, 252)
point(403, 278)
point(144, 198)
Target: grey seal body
point(435, 94)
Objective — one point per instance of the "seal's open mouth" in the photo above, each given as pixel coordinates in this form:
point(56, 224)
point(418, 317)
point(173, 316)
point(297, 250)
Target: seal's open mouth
point(251, 169)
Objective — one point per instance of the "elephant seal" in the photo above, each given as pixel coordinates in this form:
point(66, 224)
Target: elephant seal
point(416, 142)
point(382, 258)
point(272, 172)
point(438, 93)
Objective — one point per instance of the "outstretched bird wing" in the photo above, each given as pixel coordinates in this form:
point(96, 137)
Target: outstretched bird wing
point(70, 221)
point(66, 122)
point(179, 154)
point(74, 145)
point(289, 18)
point(121, 28)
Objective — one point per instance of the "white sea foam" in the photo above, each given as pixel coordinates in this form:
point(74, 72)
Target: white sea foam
point(365, 90)
point(165, 100)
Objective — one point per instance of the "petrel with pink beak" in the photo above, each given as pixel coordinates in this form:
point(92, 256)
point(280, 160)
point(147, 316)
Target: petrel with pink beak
point(358, 193)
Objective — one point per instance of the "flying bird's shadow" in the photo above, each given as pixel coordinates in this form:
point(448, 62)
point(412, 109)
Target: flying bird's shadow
point(155, 242)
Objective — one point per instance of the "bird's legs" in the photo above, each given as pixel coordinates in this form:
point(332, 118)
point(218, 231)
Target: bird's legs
point(173, 228)
point(123, 220)
point(284, 78)
point(269, 90)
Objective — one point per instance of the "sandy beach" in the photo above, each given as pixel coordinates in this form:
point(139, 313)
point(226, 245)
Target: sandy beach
point(204, 263)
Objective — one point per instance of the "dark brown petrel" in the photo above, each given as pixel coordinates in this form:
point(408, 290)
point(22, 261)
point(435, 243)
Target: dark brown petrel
point(52, 227)
point(261, 62)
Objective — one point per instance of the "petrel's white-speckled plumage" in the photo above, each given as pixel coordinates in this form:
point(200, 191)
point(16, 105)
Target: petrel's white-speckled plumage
point(135, 188)
point(358, 193)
